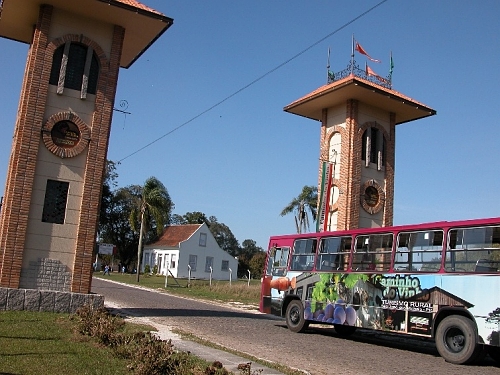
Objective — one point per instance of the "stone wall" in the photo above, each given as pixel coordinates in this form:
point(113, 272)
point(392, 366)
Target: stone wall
point(46, 300)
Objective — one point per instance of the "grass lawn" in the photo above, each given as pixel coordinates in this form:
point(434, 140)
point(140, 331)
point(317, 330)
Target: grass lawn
point(50, 343)
point(238, 291)
point(45, 343)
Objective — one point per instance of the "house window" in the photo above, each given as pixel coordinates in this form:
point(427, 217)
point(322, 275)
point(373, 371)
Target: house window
point(192, 261)
point(225, 265)
point(203, 239)
point(172, 263)
point(54, 205)
point(209, 263)
point(75, 66)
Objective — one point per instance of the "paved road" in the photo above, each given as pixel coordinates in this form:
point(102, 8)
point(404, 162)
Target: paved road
point(318, 351)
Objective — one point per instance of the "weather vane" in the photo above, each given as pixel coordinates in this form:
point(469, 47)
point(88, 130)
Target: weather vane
point(124, 106)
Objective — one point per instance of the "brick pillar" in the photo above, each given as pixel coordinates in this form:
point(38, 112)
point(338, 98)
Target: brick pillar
point(18, 188)
point(352, 176)
point(95, 167)
point(389, 172)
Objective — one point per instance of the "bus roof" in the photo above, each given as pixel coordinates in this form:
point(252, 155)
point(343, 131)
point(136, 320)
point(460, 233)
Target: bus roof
point(397, 228)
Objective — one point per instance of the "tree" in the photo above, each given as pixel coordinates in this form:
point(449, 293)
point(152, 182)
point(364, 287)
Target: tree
point(152, 204)
point(115, 228)
point(307, 200)
point(256, 264)
point(195, 217)
point(245, 254)
point(110, 177)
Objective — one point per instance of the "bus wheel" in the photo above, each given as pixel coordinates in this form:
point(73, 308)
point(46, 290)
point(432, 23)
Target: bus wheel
point(295, 316)
point(456, 340)
point(344, 330)
point(494, 352)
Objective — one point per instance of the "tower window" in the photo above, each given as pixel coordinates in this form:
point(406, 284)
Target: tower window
point(54, 205)
point(75, 66)
point(373, 147)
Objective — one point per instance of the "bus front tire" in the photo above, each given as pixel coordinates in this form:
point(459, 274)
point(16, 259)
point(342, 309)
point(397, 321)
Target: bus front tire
point(456, 340)
point(295, 320)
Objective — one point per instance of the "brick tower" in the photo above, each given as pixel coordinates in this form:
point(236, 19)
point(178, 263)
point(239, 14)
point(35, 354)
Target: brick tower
point(358, 114)
point(50, 210)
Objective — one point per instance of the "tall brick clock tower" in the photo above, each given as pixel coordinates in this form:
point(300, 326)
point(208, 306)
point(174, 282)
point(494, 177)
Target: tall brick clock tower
point(50, 210)
point(358, 112)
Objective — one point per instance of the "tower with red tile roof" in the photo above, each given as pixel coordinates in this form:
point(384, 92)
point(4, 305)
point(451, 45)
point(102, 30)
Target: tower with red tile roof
point(50, 210)
point(357, 115)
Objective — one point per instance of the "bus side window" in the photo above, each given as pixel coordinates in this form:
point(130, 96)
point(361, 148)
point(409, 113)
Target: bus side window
point(401, 259)
point(419, 251)
point(372, 252)
point(333, 254)
point(304, 251)
point(473, 250)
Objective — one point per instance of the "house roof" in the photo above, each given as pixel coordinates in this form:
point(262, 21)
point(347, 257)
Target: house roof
point(175, 234)
point(143, 25)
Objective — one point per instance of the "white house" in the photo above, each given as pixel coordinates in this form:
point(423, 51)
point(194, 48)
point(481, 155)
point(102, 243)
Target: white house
point(189, 248)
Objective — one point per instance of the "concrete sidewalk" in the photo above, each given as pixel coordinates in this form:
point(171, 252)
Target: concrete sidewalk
point(228, 360)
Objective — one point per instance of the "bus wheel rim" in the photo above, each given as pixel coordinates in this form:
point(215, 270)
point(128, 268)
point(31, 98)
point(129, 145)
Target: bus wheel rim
point(454, 339)
point(295, 315)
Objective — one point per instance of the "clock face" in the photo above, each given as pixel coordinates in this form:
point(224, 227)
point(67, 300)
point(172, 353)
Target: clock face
point(65, 134)
point(372, 196)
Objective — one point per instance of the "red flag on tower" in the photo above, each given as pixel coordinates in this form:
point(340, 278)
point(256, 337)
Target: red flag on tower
point(363, 52)
point(370, 72)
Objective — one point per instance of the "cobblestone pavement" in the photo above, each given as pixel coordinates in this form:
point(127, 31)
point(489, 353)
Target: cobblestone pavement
point(319, 351)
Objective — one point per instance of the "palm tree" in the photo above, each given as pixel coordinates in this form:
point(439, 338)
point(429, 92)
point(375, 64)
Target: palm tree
point(153, 202)
point(307, 200)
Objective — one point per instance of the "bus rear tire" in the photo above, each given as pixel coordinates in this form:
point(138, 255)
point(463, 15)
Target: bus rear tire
point(295, 320)
point(344, 330)
point(456, 340)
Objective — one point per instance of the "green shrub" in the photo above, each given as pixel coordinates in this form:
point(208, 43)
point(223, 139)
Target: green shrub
point(98, 323)
point(147, 354)
point(147, 268)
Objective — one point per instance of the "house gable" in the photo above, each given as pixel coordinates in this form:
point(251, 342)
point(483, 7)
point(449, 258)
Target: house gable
point(173, 235)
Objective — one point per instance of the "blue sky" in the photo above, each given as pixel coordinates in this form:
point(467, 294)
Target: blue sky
point(245, 159)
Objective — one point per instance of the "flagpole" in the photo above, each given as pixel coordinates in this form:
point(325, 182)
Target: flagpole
point(391, 67)
point(352, 54)
point(328, 67)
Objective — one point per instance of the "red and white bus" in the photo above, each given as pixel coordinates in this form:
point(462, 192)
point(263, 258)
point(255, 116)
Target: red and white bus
point(439, 280)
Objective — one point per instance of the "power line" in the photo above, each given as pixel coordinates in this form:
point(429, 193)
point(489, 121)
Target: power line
point(255, 80)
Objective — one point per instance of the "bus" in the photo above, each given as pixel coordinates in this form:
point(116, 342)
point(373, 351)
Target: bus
point(436, 280)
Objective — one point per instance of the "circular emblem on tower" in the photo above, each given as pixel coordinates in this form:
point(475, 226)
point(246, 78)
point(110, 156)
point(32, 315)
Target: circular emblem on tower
point(65, 134)
point(372, 197)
